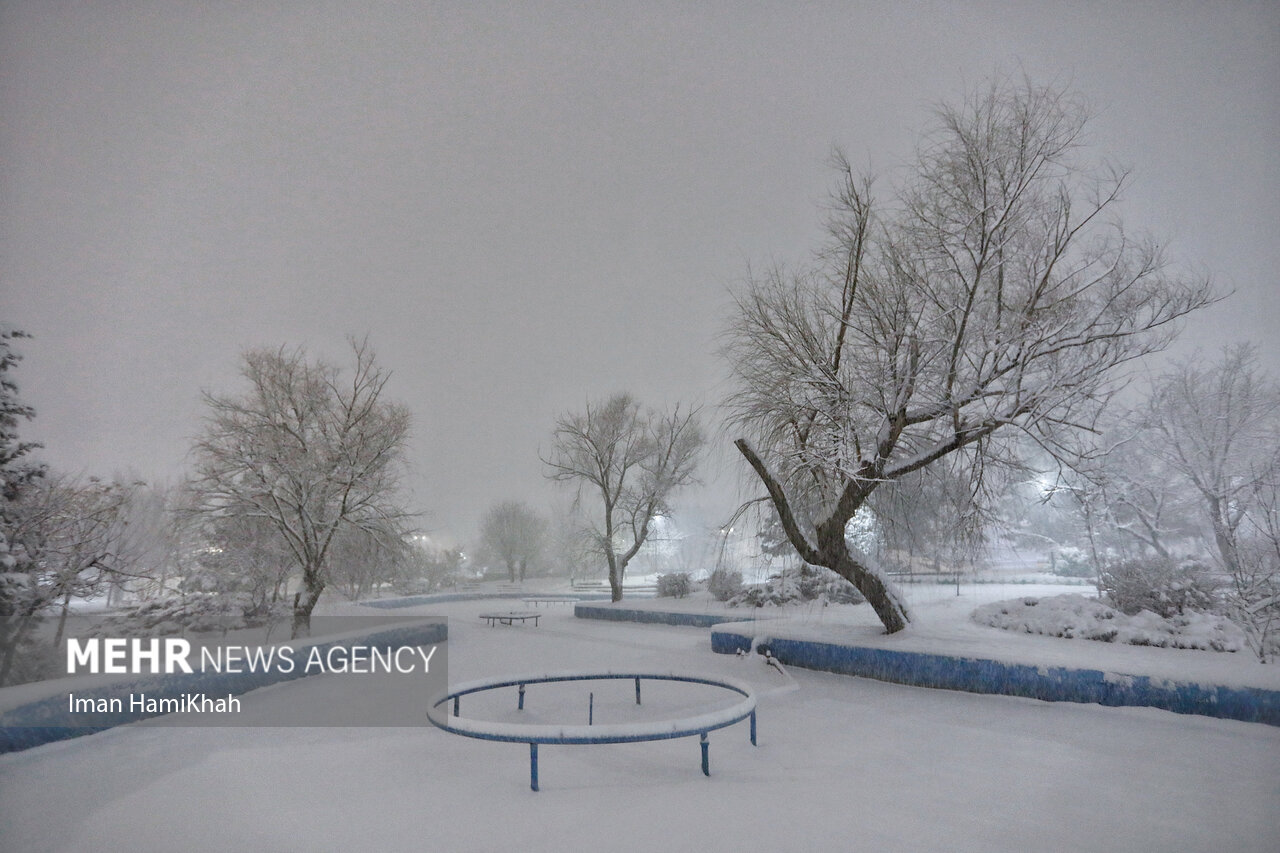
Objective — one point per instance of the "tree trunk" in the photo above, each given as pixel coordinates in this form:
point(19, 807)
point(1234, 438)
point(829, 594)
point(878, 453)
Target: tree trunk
point(835, 556)
point(615, 576)
point(1223, 536)
point(886, 606)
point(304, 601)
point(62, 619)
point(832, 551)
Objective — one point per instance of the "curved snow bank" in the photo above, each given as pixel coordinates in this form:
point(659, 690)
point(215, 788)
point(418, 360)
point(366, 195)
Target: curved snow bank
point(26, 726)
point(660, 617)
point(976, 675)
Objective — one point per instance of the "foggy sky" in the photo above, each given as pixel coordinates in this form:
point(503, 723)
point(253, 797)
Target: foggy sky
point(526, 206)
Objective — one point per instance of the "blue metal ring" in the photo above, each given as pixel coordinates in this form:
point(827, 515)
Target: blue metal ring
point(566, 734)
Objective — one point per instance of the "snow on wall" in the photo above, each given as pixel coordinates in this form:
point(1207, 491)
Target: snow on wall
point(974, 675)
point(443, 597)
point(622, 614)
point(21, 727)
point(433, 598)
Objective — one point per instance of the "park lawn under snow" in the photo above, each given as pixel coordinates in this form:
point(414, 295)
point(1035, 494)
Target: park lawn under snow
point(944, 624)
point(1073, 615)
point(843, 764)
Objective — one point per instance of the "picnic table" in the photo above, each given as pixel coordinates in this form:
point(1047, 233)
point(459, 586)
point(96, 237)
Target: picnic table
point(510, 618)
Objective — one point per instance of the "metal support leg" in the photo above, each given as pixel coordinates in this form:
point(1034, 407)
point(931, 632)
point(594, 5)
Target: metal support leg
point(533, 766)
point(637, 690)
point(706, 761)
point(591, 709)
point(455, 705)
point(520, 704)
point(753, 728)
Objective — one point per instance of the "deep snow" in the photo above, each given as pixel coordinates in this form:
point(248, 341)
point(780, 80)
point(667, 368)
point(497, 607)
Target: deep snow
point(1077, 616)
point(843, 763)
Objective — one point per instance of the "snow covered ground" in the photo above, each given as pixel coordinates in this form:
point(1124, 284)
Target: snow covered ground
point(943, 624)
point(843, 763)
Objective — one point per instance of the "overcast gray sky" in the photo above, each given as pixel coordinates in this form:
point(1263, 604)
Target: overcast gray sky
point(526, 205)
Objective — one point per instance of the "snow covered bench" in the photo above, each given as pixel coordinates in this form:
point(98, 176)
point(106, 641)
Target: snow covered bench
point(511, 617)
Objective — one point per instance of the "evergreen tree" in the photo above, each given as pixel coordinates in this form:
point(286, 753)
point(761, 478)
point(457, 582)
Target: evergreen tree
point(19, 597)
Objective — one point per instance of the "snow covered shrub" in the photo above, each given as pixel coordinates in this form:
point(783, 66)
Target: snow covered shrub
point(1075, 616)
point(724, 584)
point(801, 584)
point(1252, 594)
point(1072, 563)
point(20, 616)
point(674, 585)
point(188, 614)
point(425, 570)
point(1161, 585)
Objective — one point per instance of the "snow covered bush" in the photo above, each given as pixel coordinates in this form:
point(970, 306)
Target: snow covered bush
point(1072, 563)
point(1252, 594)
point(188, 614)
point(801, 584)
point(425, 570)
point(674, 585)
point(20, 615)
point(724, 584)
point(1075, 616)
point(1161, 585)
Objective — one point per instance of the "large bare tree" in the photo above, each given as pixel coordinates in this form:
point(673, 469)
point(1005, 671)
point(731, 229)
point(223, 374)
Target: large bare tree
point(310, 449)
point(992, 296)
point(632, 460)
point(514, 533)
point(1218, 429)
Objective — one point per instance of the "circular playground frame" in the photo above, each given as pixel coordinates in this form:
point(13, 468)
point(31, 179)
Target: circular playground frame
point(535, 734)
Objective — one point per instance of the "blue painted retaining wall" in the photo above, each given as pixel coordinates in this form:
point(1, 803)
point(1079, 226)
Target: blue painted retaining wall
point(621, 614)
point(1054, 684)
point(443, 597)
point(21, 727)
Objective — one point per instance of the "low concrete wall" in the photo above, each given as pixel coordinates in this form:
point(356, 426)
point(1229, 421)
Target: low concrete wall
point(22, 727)
point(974, 675)
point(660, 617)
point(444, 597)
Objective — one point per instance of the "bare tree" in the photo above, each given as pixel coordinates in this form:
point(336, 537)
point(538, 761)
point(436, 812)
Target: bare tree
point(240, 554)
point(1125, 496)
point(426, 567)
point(1141, 496)
point(310, 450)
point(1254, 597)
point(569, 546)
point(74, 534)
point(361, 561)
point(1218, 425)
point(993, 298)
point(513, 533)
point(632, 461)
point(148, 540)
